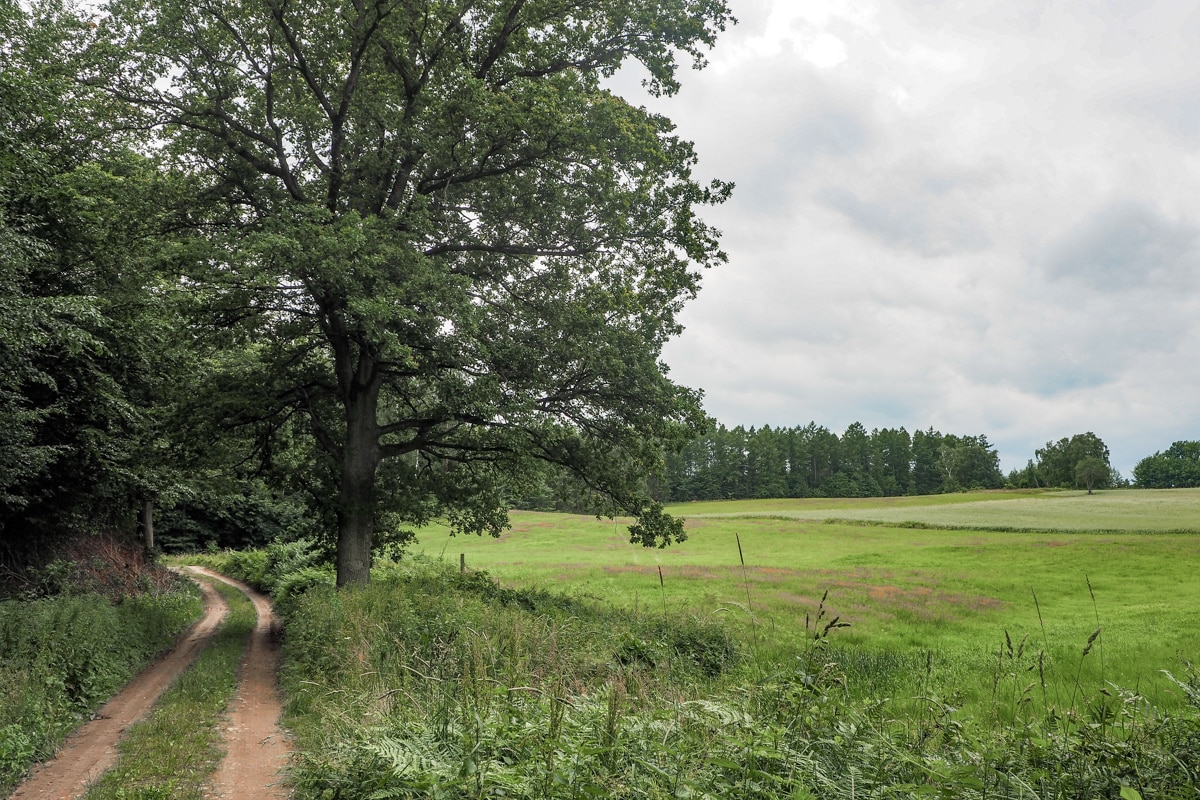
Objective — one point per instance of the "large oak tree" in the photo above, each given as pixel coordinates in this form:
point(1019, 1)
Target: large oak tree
point(443, 252)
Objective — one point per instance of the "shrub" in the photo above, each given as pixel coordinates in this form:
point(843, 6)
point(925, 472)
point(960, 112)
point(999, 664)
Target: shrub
point(245, 565)
point(293, 584)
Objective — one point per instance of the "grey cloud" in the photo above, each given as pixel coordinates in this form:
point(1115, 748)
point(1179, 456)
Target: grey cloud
point(1124, 245)
point(1049, 379)
point(920, 221)
point(775, 124)
point(1173, 107)
point(827, 130)
point(1058, 341)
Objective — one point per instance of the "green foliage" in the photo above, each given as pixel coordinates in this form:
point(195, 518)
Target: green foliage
point(91, 353)
point(442, 253)
point(1091, 471)
point(242, 515)
point(61, 656)
point(249, 566)
point(1176, 467)
point(1058, 462)
point(689, 640)
point(297, 581)
point(464, 681)
point(811, 461)
point(285, 570)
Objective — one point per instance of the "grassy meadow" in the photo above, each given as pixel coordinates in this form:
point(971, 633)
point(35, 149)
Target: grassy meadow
point(570, 669)
point(931, 586)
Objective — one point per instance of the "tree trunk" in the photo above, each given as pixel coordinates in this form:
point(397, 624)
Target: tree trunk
point(148, 523)
point(356, 502)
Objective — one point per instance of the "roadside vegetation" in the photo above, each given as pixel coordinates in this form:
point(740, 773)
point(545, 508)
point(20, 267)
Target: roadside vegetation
point(72, 635)
point(677, 673)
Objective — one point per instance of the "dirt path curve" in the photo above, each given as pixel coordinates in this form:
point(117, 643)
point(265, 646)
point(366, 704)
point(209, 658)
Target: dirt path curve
point(257, 750)
point(92, 749)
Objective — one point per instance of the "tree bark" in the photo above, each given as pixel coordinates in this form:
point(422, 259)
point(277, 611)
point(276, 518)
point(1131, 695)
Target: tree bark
point(356, 502)
point(148, 523)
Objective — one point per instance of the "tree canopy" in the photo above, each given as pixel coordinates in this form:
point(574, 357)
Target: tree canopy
point(85, 337)
point(1058, 462)
point(1176, 467)
point(444, 252)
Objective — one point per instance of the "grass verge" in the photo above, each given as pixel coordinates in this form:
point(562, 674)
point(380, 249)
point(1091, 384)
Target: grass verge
point(434, 684)
point(62, 656)
point(171, 754)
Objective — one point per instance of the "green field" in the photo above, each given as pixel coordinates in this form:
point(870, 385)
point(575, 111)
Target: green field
point(1176, 510)
point(952, 590)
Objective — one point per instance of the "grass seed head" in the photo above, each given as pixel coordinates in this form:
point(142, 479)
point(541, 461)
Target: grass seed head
point(1091, 641)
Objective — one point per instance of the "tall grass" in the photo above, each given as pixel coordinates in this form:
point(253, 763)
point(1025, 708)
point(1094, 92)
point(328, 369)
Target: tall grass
point(432, 683)
point(61, 656)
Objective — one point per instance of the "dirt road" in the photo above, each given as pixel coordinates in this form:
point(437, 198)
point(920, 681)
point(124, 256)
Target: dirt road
point(92, 749)
point(256, 748)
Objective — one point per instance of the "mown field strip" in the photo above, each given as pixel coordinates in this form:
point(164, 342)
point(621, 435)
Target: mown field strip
point(1109, 511)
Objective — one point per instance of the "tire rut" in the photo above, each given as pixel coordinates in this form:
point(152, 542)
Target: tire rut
point(92, 749)
point(257, 751)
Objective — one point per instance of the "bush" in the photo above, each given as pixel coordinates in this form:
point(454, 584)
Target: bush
point(270, 567)
point(293, 584)
point(288, 558)
point(249, 566)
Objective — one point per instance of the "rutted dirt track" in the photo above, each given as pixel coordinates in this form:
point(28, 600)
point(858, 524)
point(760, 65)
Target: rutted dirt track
point(256, 747)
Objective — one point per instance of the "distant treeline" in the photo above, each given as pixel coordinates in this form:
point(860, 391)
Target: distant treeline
point(813, 461)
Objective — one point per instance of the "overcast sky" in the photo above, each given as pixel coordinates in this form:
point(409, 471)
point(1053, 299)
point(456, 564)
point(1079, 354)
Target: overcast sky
point(980, 217)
